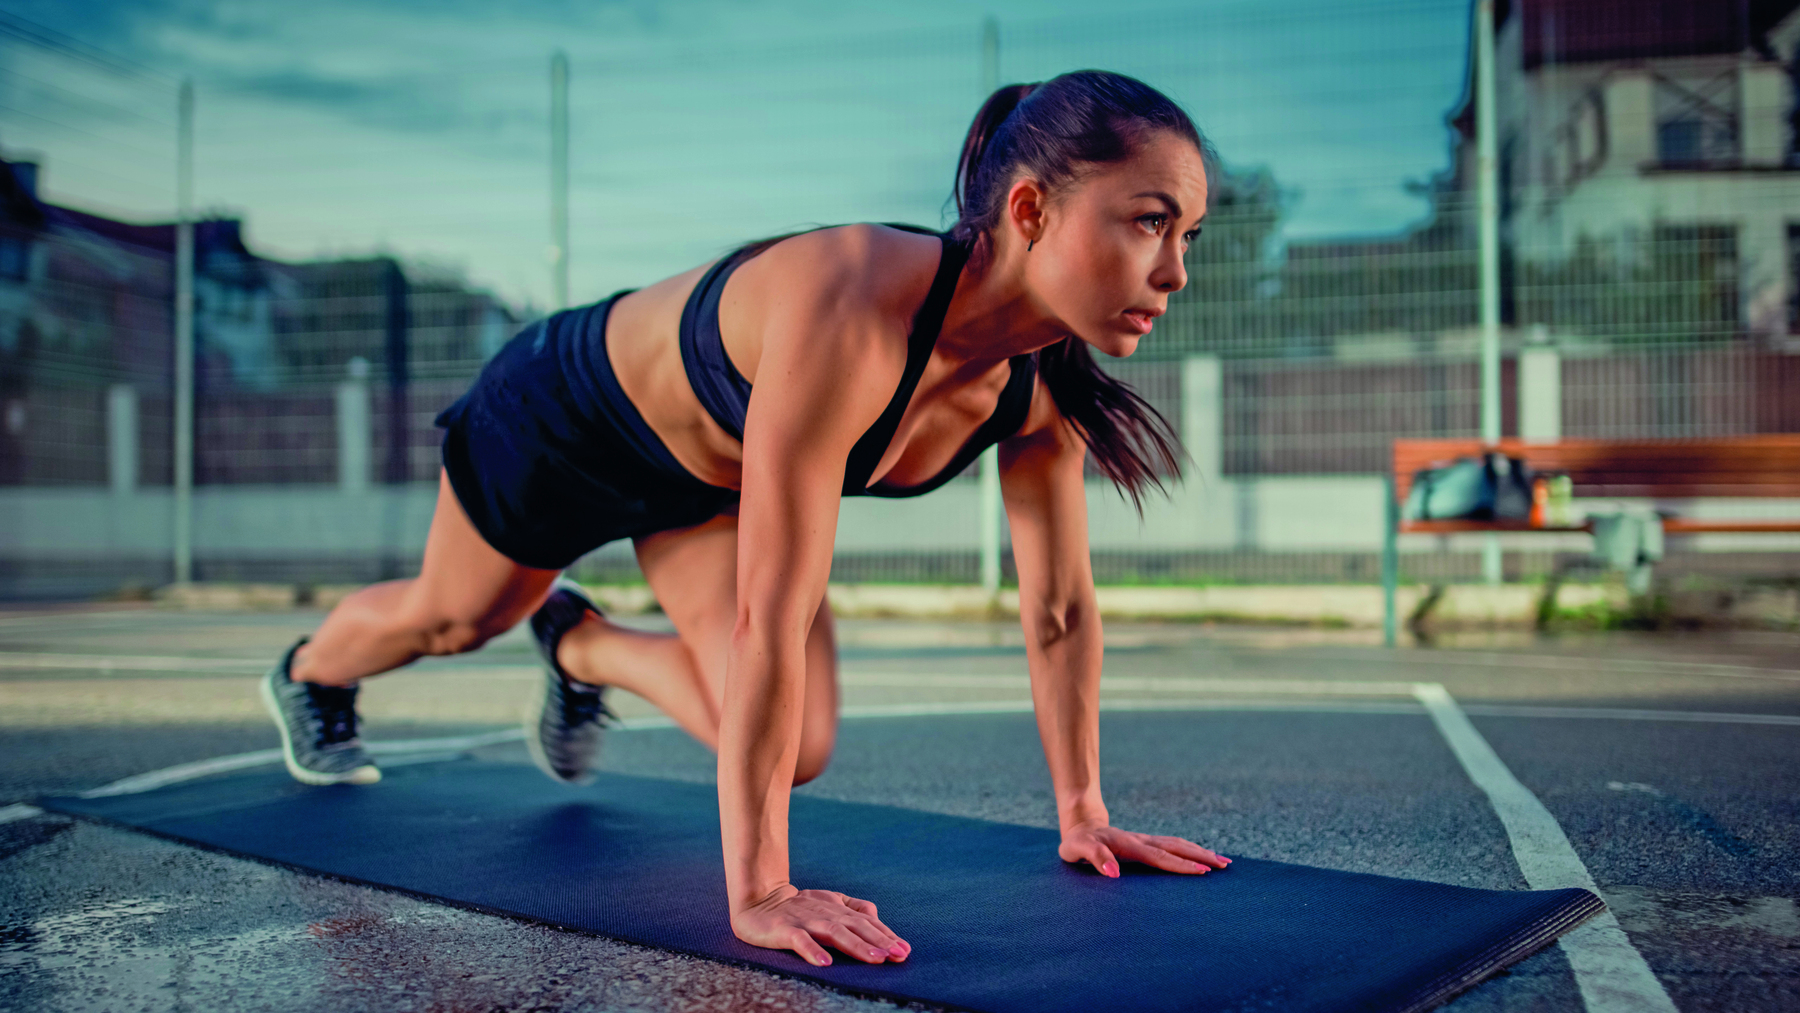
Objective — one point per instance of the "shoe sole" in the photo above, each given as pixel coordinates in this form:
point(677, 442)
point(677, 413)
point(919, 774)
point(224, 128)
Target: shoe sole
point(534, 743)
point(368, 774)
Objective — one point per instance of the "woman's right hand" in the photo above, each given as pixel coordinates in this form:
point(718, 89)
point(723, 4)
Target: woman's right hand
point(806, 921)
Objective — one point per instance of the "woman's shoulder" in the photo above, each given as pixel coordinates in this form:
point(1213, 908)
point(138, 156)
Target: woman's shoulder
point(867, 265)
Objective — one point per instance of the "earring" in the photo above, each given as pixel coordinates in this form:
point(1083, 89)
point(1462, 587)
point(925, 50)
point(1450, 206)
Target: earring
point(1029, 245)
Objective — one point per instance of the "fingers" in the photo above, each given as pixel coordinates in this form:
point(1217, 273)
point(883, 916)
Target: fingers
point(1101, 858)
point(897, 946)
point(1170, 854)
point(801, 942)
point(1151, 855)
point(1190, 850)
point(850, 941)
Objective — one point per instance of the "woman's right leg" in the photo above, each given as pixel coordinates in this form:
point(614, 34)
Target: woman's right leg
point(466, 593)
point(661, 668)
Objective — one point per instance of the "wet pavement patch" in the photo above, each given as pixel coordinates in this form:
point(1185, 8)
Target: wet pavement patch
point(638, 859)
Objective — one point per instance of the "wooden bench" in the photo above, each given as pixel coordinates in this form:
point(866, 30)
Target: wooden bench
point(1661, 470)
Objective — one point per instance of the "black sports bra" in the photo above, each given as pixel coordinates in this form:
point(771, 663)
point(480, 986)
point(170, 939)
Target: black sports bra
point(726, 394)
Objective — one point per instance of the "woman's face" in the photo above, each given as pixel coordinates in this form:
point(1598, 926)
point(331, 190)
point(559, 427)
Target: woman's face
point(1109, 250)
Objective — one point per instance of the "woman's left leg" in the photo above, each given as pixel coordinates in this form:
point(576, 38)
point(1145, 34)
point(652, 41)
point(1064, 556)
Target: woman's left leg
point(693, 572)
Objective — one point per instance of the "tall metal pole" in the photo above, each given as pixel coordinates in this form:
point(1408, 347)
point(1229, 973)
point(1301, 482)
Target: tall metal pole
point(989, 505)
point(1488, 196)
point(184, 336)
point(559, 179)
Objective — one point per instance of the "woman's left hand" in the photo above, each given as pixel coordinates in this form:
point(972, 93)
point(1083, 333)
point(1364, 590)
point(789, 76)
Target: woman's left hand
point(1104, 846)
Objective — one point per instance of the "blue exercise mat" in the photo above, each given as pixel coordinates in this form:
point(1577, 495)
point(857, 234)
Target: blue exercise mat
point(996, 921)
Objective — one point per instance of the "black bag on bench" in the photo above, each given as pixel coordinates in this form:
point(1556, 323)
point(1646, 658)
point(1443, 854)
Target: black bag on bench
point(1490, 487)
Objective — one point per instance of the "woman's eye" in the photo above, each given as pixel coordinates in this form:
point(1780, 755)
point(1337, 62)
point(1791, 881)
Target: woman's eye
point(1155, 222)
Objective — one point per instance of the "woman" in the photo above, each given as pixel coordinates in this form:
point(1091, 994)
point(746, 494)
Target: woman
point(882, 360)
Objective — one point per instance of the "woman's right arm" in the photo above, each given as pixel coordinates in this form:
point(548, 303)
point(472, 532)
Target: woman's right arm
point(823, 377)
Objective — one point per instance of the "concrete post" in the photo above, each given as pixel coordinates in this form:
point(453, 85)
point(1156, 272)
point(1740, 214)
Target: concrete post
point(122, 438)
point(1202, 416)
point(355, 428)
point(991, 511)
point(1540, 394)
point(1763, 273)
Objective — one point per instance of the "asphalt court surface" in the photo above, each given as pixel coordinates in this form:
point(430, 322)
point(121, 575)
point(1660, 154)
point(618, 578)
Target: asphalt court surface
point(1669, 761)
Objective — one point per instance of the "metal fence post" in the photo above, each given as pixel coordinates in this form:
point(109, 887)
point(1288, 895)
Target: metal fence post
point(559, 179)
point(988, 504)
point(184, 339)
point(1488, 194)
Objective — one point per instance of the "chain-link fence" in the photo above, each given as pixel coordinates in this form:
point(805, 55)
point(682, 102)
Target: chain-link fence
point(1658, 278)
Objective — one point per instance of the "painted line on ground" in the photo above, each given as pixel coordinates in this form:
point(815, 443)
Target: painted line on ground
point(1623, 666)
point(1493, 710)
point(130, 662)
point(16, 619)
point(1133, 684)
point(242, 761)
point(1610, 972)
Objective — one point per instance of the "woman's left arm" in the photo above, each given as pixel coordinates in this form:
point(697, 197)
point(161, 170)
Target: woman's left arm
point(1046, 506)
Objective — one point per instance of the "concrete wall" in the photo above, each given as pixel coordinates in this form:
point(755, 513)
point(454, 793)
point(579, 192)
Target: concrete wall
point(89, 526)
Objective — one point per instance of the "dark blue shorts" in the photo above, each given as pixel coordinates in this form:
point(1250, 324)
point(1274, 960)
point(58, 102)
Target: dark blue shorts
point(549, 458)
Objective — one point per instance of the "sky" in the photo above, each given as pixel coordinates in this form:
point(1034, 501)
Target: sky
point(421, 127)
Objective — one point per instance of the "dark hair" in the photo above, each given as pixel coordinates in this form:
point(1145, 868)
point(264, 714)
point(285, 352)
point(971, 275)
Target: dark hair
point(1053, 133)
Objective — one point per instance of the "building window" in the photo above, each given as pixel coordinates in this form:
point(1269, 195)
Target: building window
point(1793, 277)
point(1697, 121)
point(15, 258)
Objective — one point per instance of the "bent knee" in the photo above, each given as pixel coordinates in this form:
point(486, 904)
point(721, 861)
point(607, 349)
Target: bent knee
point(812, 763)
point(448, 635)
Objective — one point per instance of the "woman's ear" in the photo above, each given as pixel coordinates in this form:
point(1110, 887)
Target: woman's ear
point(1025, 210)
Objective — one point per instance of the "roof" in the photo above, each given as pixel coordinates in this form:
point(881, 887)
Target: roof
point(1587, 31)
point(1598, 31)
point(157, 237)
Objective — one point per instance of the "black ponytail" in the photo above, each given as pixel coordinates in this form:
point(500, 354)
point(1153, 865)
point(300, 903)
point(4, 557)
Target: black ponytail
point(1051, 132)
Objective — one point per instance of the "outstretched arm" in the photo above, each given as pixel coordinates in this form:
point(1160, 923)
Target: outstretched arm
point(811, 400)
point(1046, 504)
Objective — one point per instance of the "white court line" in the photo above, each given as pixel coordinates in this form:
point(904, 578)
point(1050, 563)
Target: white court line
point(1612, 975)
point(129, 662)
point(14, 813)
point(1501, 710)
point(1133, 684)
point(241, 761)
point(1623, 666)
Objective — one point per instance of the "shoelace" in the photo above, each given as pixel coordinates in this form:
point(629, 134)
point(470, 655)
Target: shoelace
point(335, 709)
point(582, 706)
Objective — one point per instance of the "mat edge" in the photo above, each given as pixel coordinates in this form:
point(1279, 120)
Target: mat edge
point(1529, 940)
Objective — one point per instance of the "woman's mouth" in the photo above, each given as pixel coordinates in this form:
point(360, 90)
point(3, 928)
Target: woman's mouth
point(1140, 320)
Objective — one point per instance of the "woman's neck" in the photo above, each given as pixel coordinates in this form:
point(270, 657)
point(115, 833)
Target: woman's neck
point(993, 315)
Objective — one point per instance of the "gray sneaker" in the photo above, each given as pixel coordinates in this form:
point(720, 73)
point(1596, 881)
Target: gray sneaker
point(318, 728)
point(566, 719)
